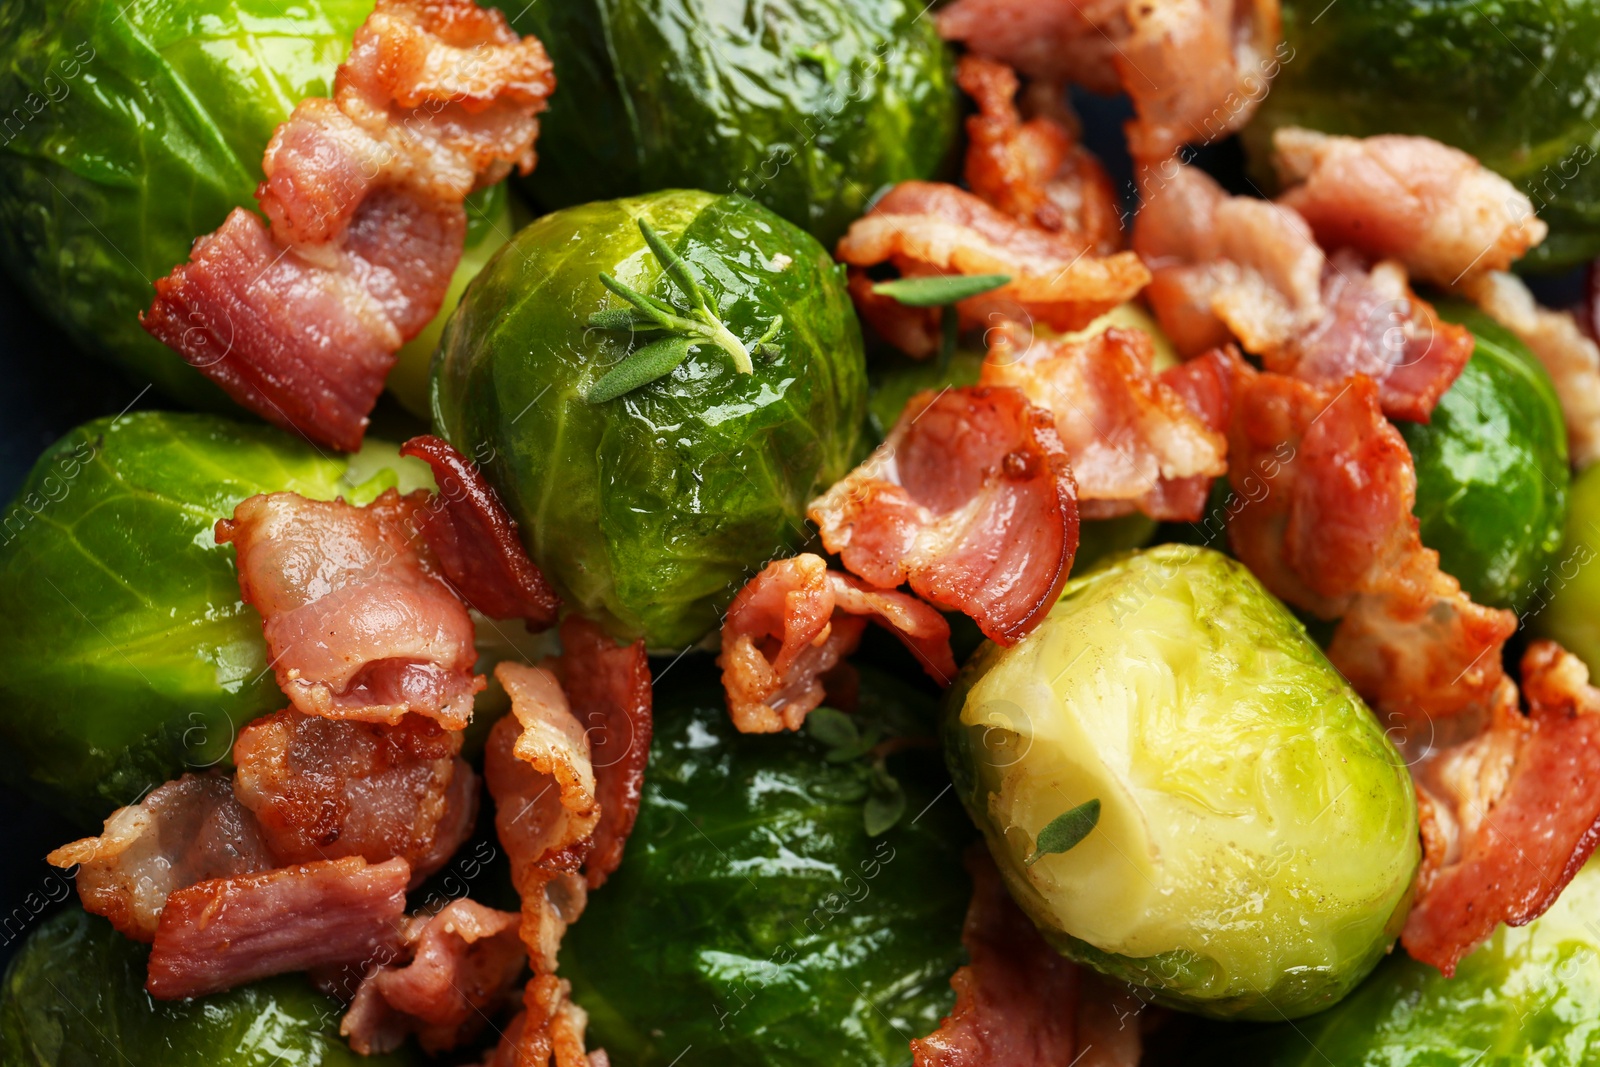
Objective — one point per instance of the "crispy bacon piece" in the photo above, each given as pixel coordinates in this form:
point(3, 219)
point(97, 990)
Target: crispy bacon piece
point(609, 689)
point(455, 969)
point(1332, 532)
point(476, 542)
point(971, 500)
point(225, 932)
point(1133, 440)
point(1434, 208)
point(796, 621)
point(358, 621)
point(1510, 815)
point(1035, 171)
point(548, 1032)
point(364, 196)
point(321, 789)
point(930, 228)
point(1567, 352)
point(184, 832)
point(538, 768)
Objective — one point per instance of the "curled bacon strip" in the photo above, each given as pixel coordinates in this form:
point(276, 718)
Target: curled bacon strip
point(476, 542)
point(971, 500)
point(1434, 208)
point(549, 1030)
point(1132, 436)
point(929, 228)
point(364, 195)
point(359, 623)
point(1511, 814)
point(797, 620)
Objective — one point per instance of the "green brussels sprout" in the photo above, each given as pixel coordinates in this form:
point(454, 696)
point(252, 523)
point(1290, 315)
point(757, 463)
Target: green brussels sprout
point(1528, 995)
point(753, 921)
point(806, 106)
point(1511, 83)
point(650, 510)
point(1492, 473)
point(126, 654)
point(74, 997)
point(1567, 593)
point(1257, 833)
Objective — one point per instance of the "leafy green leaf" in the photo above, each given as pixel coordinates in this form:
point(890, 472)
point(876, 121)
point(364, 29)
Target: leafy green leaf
point(1064, 832)
point(938, 290)
point(886, 802)
point(654, 360)
point(832, 727)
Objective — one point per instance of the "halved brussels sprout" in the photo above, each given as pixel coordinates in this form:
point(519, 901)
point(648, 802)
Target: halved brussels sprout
point(74, 997)
point(1492, 473)
point(753, 920)
point(650, 510)
point(1257, 833)
point(806, 106)
point(1564, 604)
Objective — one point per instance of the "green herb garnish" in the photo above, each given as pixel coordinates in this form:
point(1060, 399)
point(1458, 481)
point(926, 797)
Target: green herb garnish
point(1064, 832)
point(864, 740)
point(941, 291)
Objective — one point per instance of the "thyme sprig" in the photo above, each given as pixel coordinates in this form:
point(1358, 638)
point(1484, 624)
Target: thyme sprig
point(687, 327)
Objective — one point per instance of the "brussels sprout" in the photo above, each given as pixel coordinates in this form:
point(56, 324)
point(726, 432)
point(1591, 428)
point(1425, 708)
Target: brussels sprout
point(1529, 995)
point(1492, 474)
point(753, 921)
point(650, 510)
point(1564, 607)
point(807, 106)
point(1511, 83)
point(125, 651)
point(74, 997)
point(1257, 833)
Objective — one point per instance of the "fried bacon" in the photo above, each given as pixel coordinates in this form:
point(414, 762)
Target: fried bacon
point(1511, 814)
point(363, 192)
point(476, 541)
point(1035, 171)
point(1432, 207)
point(548, 1032)
point(454, 970)
point(1133, 440)
point(184, 832)
point(971, 500)
point(321, 789)
point(358, 620)
point(797, 620)
point(1195, 69)
point(225, 932)
point(928, 228)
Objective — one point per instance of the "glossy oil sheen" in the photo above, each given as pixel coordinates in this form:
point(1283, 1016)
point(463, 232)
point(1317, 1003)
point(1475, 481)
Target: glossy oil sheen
point(1509, 81)
point(1492, 473)
point(74, 997)
point(1258, 832)
point(1564, 606)
point(151, 120)
point(753, 922)
point(807, 106)
point(651, 510)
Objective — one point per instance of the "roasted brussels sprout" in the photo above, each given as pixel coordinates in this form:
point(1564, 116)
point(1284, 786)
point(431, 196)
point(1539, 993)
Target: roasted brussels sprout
point(1492, 474)
point(806, 106)
point(1512, 84)
point(1529, 995)
point(74, 997)
point(753, 920)
point(1257, 833)
point(125, 651)
point(1563, 606)
point(649, 510)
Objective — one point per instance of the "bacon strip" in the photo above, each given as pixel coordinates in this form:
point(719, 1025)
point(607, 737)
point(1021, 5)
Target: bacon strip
point(1133, 440)
point(225, 932)
point(476, 542)
point(358, 621)
point(364, 195)
point(971, 500)
point(1521, 804)
point(549, 1030)
point(1434, 208)
point(929, 228)
point(797, 620)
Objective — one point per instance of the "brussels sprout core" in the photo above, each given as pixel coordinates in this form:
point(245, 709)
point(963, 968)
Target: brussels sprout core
point(1257, 833)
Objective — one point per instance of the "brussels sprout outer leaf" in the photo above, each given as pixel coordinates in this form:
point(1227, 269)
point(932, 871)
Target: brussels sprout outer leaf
point(936, 291)
point(1492, 473)
point(753, 920)
point(74, 997)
